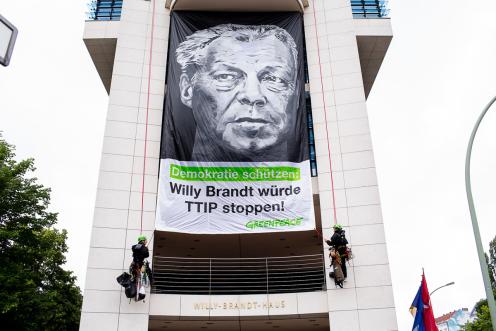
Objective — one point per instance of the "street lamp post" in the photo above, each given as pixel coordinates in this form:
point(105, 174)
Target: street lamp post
point(8, 35)
point(440, 287)
point(475, 225)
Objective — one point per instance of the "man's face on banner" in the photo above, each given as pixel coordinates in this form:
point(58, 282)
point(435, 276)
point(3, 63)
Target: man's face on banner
point(243, 96)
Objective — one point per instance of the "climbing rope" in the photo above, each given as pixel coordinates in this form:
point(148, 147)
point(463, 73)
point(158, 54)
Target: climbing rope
point(325, 114)
point(146, 119)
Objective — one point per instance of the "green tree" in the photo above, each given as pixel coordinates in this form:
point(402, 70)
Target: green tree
point(491, 262)
point(482, 320)
point(36, 292)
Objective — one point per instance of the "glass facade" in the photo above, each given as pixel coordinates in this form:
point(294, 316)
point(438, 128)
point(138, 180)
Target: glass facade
point(369, 8)
point(311, 139)
point(105, 10)
point(308, 104)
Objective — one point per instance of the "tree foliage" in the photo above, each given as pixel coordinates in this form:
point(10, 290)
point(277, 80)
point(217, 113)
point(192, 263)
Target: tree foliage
point(491, 263)
point(36, 292)
point(482, 320)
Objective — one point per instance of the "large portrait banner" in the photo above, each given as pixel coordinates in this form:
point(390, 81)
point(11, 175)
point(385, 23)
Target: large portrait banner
point(234, 153)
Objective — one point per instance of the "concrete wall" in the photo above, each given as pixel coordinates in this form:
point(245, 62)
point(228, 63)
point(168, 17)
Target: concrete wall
point(117, 215)
point(341, 127)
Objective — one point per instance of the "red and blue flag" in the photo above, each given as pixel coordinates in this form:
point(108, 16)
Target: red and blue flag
point(421, 310)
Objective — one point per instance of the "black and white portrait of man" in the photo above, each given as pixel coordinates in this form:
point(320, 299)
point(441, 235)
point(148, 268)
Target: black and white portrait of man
point(240, 83)
point(235, 120)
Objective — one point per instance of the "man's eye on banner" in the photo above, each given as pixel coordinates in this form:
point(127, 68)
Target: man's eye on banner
point(234, 153)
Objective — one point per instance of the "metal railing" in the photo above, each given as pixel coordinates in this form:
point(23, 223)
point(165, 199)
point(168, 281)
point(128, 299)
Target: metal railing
point(369, 8)
point(104, 10)
point(203, 276)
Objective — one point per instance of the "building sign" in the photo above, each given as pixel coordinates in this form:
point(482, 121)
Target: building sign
point(234, 154)
point(240, 305)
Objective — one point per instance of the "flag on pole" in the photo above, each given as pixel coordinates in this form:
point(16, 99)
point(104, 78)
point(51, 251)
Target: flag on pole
point(421, 309)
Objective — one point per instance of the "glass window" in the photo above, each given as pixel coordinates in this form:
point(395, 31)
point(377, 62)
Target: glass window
point(369, 8)
point(105, 10)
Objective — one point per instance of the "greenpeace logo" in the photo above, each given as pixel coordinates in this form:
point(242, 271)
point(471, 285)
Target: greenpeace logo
point(277, 223)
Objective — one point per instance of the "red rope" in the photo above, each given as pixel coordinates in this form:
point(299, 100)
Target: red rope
point(146, 120)
point(325, 115)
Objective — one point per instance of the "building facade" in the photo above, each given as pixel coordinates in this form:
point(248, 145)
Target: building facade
point(240, 281)
point(454, 321)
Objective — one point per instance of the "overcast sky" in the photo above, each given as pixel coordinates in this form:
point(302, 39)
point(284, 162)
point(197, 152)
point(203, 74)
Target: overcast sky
point(437, 77)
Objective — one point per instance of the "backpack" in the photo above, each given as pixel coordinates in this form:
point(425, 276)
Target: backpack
point(130, 290)
point(124, 279)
